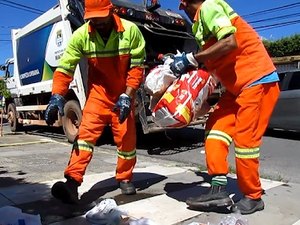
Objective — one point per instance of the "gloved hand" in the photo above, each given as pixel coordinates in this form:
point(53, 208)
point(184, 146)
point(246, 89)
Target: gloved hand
point(181, 63)
point(56, 104)
point(123, 104)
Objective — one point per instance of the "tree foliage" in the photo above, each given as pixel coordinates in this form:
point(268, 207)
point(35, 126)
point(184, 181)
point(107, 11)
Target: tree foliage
point(3, 89)
point(284, 47)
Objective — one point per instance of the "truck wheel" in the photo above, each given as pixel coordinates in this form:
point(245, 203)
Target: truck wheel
point(71, 119)
point(13, 118)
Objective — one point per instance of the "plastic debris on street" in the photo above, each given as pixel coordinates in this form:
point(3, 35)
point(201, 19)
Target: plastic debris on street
point(107, 212)
point(233, 219)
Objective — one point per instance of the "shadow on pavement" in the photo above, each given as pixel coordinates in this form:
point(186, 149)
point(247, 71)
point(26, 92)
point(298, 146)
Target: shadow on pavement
point(292, 135)
point(142, 181)
point(171, 142)
point(52, 210)
point(167, 142)
point(9, 180)
point(44, 131)
point(182, 191)
point(6, 180)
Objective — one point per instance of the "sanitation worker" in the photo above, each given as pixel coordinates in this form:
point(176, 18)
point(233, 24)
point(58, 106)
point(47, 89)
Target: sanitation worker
point(115, 51)
point(234, 53)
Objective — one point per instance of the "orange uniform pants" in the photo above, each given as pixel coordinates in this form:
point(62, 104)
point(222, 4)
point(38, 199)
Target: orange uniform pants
point(242, 119)
point(95, 118)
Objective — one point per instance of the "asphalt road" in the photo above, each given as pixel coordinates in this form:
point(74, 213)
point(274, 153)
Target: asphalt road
point(280, 151)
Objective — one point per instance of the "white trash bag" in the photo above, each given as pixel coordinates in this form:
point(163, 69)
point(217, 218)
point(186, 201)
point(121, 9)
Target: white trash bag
point(159, 79)
point(10, 215)
point(141, 221)
point(107, 212)
point(233, 219)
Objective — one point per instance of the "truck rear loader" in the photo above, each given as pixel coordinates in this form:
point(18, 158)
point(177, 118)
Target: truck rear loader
point(39, 45)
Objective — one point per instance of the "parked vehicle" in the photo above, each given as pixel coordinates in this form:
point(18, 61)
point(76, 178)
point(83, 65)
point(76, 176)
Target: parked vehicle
point(286, 114)
point(38, 46)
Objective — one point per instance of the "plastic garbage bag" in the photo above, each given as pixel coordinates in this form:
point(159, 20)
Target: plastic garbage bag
point(195, 223)
point(159, 79)
point(105, 213)
point(108, 213)
point(141, 221)
point(234, 219)
point(10, 215)
point(183, 101)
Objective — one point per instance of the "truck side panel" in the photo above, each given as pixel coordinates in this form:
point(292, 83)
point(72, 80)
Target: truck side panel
point(38, 53)
point(31, 57)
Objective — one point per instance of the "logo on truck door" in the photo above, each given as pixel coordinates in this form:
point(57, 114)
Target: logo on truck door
point(59, 44)
point(59, 38)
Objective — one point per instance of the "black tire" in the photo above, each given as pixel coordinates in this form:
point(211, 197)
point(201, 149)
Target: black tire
point(71, 119)
point(13, 118)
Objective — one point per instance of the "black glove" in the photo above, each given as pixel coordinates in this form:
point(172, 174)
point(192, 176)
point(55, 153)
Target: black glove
point(181, 63)
point(123, 104)
point(56, 104)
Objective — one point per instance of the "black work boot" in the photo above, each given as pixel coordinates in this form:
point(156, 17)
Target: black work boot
point(216, 197)
point(67, 191)
point(127, 188)
point(248, 206)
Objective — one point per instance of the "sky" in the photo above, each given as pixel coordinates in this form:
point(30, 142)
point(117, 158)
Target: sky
point(271, 18)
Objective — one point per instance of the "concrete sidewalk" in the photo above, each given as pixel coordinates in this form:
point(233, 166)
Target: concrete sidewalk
point(162, 188)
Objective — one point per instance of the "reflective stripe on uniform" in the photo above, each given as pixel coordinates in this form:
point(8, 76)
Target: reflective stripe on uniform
point(110, 53)
point(65, 70)
point(83, 146)
point(247, 153)
point(126, 40)
point(127, 155)
point(137, 62)
point(218, 135)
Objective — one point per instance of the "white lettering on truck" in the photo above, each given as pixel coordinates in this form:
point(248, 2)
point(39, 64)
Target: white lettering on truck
point(58, 54)
point(29, 74)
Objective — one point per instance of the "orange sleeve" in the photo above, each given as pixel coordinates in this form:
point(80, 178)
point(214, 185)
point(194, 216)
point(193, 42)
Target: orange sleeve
point(135, 77)
point(61, 82)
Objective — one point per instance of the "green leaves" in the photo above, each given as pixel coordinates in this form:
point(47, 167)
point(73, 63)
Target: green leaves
point(283, 47)
point(3, 89)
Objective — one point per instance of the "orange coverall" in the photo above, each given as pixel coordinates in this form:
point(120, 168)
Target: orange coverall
point(243, 112)
point(113, 66)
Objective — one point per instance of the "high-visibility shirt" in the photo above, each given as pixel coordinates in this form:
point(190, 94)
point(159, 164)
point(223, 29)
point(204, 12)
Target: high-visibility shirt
point(249, 62)
point(113, 65)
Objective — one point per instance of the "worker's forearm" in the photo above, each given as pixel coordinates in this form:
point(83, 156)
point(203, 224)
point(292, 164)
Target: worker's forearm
point(130, 92)
point(219, 49)
point(61, 82)
point(134, 79)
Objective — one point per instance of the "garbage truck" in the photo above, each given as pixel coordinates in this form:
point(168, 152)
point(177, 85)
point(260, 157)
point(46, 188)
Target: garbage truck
point(38, 46)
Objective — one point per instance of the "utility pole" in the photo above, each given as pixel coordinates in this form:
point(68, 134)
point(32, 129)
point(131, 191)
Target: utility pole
point(1, 120)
